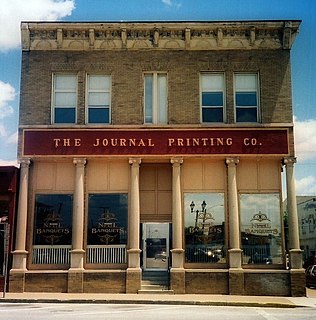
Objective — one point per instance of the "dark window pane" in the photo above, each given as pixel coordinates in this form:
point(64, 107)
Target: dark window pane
point(246, 115)
point(246, 99)
point(148, 99)
point(212, 99)
point(98, 115)
point(212, 114)
point(53, 219)
point(65, 115)
point(107, 223)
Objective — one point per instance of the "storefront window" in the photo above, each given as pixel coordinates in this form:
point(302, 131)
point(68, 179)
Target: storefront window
point(260, 222)
point(53, 219)
point(107, 221)
point(52, 229)
point(204, 228)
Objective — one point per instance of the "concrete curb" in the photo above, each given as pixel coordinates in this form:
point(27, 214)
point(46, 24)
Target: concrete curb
point(240, 301)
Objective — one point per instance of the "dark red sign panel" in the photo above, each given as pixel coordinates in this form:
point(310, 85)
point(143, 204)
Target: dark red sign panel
point(62, 142)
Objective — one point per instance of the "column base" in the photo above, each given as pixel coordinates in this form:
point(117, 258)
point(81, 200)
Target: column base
point(17, 281)
point(235, 258)
point(298, 283)
point(177, 280)
point(134, 258)
point(296, 261)
point(177, 258)
point(133, 280)
point(75, 281)
point(236, 281)
point(76, 259)
point(19, 260)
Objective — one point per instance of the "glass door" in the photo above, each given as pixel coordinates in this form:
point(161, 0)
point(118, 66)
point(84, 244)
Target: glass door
point(155, 246)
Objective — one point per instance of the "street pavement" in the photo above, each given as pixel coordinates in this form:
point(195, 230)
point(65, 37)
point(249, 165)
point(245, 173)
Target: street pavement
point(160, 298)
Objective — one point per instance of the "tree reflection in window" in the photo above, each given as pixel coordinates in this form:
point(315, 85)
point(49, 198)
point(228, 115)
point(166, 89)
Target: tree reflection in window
point(260, 223)
point(204, 228)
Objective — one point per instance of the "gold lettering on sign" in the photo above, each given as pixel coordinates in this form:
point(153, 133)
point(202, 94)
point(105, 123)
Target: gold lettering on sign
point(252, 142)
point(131, 142)
point(199, 142)
point(67, 142)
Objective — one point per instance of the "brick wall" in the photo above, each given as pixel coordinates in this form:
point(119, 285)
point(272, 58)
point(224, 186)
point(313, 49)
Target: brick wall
point(183, 70)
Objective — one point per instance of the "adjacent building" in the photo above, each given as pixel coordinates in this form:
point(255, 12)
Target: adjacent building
point(9, 179)
point(156, 146)
point(306, 210)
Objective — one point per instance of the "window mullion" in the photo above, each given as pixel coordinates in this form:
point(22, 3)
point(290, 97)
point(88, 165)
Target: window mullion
point(155, 98)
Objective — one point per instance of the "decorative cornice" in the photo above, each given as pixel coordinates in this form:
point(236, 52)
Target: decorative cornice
point(84, 36)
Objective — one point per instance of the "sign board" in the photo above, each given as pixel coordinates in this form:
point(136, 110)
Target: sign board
point(129, 142)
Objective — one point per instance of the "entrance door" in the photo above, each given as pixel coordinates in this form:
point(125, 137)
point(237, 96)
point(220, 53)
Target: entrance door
point(155, 246)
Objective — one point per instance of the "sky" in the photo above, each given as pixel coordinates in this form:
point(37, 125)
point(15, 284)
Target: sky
point(303, 54)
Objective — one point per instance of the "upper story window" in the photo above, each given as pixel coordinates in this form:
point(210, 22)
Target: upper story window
point(98, 99)
point(155, 98)
point(212, 97)
point(64, 99)
point(247, 97)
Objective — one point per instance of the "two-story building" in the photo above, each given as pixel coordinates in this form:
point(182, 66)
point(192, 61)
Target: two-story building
point(156, 147)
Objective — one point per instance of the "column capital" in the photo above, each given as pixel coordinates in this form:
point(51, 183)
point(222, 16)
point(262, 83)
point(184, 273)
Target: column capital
point(79, 161)
point(289, 161)
point(24, 162)
point(231, 161)
point(135, 161)
point(176, 161)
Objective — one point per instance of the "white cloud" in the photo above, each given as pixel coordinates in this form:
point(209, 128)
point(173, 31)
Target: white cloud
point(7, 94)
point(171, 3)
point(305, 139)
point(8, 163)
point(12, 12)
point(306, 186)
point(13, 138)
point(3, 132)
point(167, 2)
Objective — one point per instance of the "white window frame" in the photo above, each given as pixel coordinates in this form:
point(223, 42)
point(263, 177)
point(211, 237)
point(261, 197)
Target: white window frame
point(211, 107)
point(257, 92)
point(155, 99)
point(53, 102)
point(101, 91)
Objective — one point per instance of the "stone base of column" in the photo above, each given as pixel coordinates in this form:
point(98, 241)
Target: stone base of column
point(133, 280)
point(177, 280)
point(296, 261)
point(298, 283)
point(235, 258)
point(75, 281)
point(177, 258)
point(17, 281)
point(19, 260)
point(236, 282)
point(76, 259)
point(134, 258)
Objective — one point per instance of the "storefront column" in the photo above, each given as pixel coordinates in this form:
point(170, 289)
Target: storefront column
point(17, 273)
point(177, 273)
point(294, 240)
point(75, 274)
point(133, 273)
point(295, 253)
point(236, 275)
point(234, 236)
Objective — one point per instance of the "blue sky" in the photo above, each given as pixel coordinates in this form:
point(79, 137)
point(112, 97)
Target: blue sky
point(12, 12)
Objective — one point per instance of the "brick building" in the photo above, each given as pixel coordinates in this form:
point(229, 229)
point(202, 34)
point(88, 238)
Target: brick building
point(156, 147)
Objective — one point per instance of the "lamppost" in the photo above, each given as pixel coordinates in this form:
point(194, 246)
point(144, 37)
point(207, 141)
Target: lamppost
point(201, 214)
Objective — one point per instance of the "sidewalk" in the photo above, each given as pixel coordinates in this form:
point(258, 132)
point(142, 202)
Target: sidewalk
point(187, 299)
